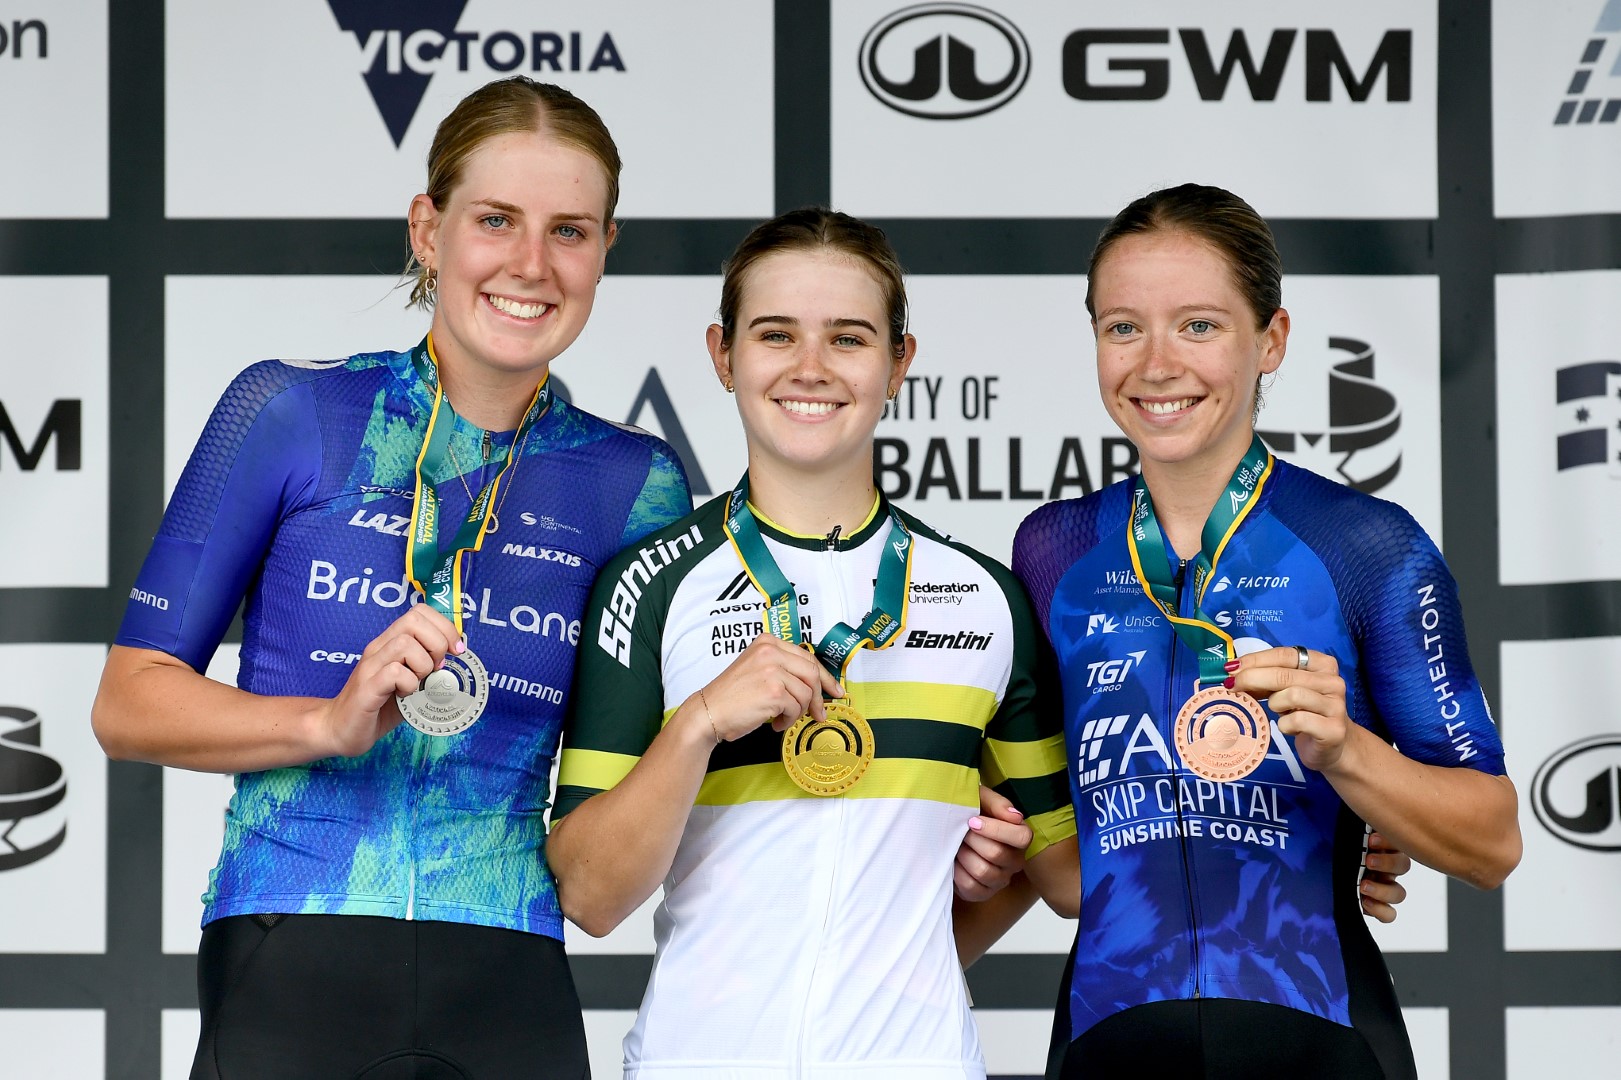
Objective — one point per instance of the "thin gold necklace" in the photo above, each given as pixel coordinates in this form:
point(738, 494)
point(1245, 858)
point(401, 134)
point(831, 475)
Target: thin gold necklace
point(495, 514)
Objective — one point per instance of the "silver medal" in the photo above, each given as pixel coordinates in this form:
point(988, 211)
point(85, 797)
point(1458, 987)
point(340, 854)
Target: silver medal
point(451, 699)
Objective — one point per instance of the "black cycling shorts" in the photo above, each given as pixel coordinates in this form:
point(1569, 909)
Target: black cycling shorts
point(352, 996)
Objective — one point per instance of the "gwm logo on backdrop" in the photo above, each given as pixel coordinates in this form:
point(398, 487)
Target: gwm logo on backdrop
point(403, 42)
point(1592, 394)
point(945, 61)
point(1363, 418)
point(62, 425)
point(1586, 101)
point(1576, 793)
point(32, 784)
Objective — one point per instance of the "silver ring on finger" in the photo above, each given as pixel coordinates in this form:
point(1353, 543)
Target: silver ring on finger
point(1302, 657)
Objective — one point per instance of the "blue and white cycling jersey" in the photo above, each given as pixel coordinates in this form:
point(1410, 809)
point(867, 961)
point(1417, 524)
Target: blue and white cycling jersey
point(1242, 890)
point(296, 500)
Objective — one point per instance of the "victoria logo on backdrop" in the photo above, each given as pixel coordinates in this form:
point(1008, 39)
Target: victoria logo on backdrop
point(1359, 444)
point(62, 427)
point(32, 785)
point(1594, 91)
point(944, 61)
point(1576, 793)
point(404, 42)
point(1589, 396)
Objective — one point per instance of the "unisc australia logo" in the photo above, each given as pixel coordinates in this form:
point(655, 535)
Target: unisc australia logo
point(1576, 794)
point(1363, 420)
point(32, 787)
point(944, 61)
point(1586, 102)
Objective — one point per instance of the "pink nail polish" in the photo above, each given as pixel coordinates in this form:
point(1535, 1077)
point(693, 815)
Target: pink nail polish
point(975, 823)
point(1015, 813)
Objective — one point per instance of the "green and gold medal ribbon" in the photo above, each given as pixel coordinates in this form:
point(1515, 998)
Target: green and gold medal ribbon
point(436, 571)
point(839, 645)
point(1151, 562)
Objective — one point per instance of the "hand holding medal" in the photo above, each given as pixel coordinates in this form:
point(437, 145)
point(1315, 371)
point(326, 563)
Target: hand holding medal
point(1306, 692)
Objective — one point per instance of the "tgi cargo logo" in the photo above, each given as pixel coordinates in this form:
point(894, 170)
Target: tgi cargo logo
point(1363, 421)
point(32, 787)
point(24, 39)
point(944, 61)
point(1576, 794)
point(1592, 394)
point(1586, 101)
point(403, 42)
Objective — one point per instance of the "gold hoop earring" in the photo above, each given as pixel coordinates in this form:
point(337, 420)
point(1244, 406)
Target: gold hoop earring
point(727, 382)
point(430, 284)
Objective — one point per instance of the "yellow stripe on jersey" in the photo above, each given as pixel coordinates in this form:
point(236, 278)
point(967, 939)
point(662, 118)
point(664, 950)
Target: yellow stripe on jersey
point(1023, 760)
point(1050, 828)
point(598, 770)
point(888, 778)
point(971, 706)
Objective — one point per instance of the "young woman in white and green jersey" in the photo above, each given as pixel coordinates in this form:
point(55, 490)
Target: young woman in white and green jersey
point(803, 809)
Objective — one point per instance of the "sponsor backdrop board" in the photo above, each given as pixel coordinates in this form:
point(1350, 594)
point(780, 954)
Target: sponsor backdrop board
point(1441, 176)
point(1291, 104)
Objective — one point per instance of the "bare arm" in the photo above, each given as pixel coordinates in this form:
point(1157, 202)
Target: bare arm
point(1460, 821)
point(153, 707)
point(612, 850)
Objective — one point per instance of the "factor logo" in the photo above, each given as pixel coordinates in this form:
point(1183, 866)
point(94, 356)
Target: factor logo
point(944, 61)
point(1576, 793)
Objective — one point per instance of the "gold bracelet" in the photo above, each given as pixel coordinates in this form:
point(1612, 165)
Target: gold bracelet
point(705, 702)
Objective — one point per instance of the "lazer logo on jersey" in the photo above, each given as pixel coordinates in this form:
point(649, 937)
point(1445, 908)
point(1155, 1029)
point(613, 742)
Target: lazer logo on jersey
point(613, 631)
point(1587, 102)
point(1576, 793)
point(962, 639)
point(1364, 419)
point(944, 61)
point(1590, 395)
point(387, 524)
point(33, 785)
point(21, 39)
point(403, 43)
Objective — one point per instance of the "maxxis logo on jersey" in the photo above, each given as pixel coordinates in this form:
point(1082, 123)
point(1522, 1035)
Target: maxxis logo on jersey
point(950, 76)
point(1576, 793)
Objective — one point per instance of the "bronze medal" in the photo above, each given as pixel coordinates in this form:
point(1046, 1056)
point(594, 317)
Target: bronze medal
point(1222, 734)
point(828, 757)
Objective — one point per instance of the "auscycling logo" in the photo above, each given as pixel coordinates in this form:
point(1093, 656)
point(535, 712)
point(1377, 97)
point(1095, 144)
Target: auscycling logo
point(1588, 101)
point(402, 43)
point(1364, 419)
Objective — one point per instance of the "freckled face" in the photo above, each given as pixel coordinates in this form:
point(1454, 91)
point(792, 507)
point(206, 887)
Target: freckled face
point(518, 250)
point(811, 361)
point(1179, 353)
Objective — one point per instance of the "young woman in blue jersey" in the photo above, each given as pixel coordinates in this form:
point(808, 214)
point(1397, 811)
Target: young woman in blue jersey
point(806, 924)
point(1219, 934)
point(382, 906)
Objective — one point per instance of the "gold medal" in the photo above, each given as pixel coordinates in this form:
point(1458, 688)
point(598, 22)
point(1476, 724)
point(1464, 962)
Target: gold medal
point(1222, 734)
point(828, 757)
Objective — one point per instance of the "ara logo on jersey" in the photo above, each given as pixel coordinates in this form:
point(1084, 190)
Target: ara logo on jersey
point(1359, 445)
point(32, 788)
point(1593, 94)
point(402, 43)
point(1589, 400)
point(1109, 744)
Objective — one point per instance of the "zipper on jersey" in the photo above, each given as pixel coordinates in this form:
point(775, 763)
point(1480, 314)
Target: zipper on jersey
point(1183, 609)
point(413, 797)
point(821, 939)
point(833, 538)
point(485, 443)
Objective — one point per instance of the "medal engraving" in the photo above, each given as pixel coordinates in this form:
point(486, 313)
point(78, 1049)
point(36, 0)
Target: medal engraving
point(1222, 734)
point(451, 699)
point(827, 757)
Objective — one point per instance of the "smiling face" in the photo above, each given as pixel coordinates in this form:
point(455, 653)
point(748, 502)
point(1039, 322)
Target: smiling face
point(518, 248)
point(1179, 352)
point(811, 362)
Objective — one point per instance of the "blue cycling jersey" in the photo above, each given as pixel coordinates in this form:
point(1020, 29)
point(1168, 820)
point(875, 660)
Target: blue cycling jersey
point(296, 500)
point(1242, 890)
